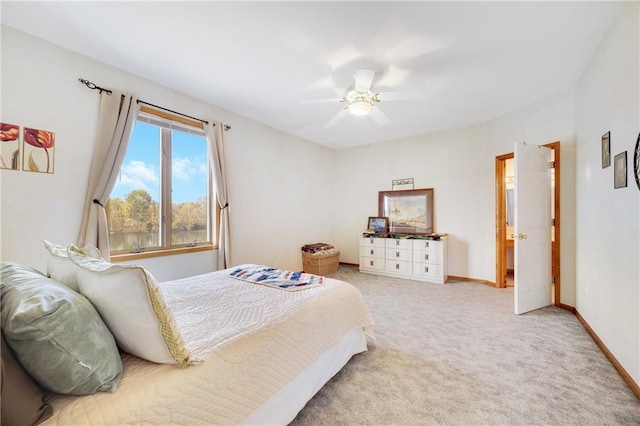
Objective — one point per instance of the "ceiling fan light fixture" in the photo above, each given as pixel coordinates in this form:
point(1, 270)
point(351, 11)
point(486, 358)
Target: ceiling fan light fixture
point(360, 108)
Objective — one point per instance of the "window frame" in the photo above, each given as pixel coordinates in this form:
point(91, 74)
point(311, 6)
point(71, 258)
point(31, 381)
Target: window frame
point(213, 220)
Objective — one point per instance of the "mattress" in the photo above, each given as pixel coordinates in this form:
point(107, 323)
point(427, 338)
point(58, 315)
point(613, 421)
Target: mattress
point(254, 341)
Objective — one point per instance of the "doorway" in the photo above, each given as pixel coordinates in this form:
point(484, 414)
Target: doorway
point(504, 224)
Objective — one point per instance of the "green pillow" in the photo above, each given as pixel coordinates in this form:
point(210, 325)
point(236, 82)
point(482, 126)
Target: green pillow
point(56, 333)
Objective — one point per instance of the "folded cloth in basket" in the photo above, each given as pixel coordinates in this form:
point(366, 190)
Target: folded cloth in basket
point(318, 247)
point(278, 278)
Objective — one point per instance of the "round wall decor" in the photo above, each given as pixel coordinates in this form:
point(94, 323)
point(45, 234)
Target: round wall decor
point(636, 162)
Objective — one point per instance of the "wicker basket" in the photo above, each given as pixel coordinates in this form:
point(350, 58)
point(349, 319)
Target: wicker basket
point(320, 264)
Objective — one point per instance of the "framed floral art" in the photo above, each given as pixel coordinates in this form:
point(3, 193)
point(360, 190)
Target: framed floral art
point(38, 150)
point(9, 146)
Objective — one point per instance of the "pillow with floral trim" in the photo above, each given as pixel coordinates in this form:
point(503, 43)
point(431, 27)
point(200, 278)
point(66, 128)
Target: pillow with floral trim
point(131, 303)
point(61, 268)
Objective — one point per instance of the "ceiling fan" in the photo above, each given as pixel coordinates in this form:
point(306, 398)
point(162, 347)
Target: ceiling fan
point(360, 99)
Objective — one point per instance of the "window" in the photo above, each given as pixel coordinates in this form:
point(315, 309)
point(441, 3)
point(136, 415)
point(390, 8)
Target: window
point(161, 202)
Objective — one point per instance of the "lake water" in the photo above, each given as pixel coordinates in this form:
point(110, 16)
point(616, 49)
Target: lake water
point(131, 240)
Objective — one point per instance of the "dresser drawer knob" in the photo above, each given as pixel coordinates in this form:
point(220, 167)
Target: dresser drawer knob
point(397, 266)
point(426, 256)
point(371, 263)
point(397, 254)
point(371, 252)
point(426, 269)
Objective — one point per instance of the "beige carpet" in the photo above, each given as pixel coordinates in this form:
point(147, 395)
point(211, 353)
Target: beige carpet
point(455, 354)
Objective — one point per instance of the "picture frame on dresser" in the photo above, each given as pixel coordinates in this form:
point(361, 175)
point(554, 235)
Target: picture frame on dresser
point(378, 224)
point(409, 211)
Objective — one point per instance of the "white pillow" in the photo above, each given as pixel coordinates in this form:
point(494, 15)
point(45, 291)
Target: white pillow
point(60, 268)
point(131, 304)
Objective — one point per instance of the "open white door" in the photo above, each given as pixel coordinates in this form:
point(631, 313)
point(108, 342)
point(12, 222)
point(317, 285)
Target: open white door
point(532, 194)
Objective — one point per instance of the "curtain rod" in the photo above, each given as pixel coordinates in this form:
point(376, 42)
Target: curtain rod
point(93, 86)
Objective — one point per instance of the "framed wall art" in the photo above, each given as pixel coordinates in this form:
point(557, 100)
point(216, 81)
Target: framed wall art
point(606, 150)
point(409, 211)
point(620, 170)
point(9, 146)
point(636, 161)
point(38, 151)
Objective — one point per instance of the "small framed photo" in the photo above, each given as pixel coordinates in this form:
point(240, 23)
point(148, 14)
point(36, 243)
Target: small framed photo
point(606, 150)
point(378, 224)
point(620, 170)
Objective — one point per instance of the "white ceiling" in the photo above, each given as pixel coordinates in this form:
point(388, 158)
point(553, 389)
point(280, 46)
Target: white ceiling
point(466, 62)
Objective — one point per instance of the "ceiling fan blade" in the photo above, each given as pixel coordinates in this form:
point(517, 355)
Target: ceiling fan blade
point(400, 95)
point(320, 101)
point(378, 116)
point(363, 79)
point(336, 118)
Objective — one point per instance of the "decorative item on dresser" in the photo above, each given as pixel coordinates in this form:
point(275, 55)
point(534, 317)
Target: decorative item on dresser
point(415, 257)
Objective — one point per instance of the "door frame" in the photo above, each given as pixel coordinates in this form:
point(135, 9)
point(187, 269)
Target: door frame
point(501, 220)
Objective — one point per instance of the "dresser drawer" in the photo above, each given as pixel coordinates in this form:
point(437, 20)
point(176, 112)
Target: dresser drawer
point(398, 266)
point(372, 242)
point(399, 244)
point(398, 254)
point(377, 252)
point(427, 256)
point(372, 263)
point(429, 245)
point(427, 270)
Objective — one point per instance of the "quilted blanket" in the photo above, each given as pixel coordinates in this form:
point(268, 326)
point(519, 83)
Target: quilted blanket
point(253, 340)
point(277, 278)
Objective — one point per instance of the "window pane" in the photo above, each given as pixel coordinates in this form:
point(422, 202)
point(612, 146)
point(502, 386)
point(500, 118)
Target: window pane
point(134, 207)
point(189, 183)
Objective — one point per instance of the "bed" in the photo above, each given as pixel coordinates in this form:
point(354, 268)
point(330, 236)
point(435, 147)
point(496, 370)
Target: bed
point(259, 354)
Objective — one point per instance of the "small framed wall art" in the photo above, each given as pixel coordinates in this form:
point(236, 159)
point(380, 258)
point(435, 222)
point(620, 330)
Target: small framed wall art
point(39, 150)
point(606, 150)
point(9, 146)
point(620, 170)
point(636, 161)
point(378, 224)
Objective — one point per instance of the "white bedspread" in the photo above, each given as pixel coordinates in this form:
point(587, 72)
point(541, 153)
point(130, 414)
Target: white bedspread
point(254, 340)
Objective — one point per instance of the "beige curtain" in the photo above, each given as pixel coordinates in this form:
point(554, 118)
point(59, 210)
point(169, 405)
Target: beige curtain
point(215, 138)
point(117, 116)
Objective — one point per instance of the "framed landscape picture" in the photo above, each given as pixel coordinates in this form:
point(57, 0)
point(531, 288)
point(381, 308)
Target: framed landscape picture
point(409, 211)
point(378, 224)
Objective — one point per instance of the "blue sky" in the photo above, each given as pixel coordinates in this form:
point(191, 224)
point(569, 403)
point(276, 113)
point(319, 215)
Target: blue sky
point(141, 165)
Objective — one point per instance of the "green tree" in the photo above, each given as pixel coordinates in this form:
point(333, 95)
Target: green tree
point(117, 211)
point(143, 216)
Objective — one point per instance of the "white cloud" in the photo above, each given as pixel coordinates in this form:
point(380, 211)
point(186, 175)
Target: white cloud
point(184, 168)
point(137, 175)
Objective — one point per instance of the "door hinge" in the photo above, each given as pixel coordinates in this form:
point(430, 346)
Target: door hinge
point(553, 222)
point(551, 165)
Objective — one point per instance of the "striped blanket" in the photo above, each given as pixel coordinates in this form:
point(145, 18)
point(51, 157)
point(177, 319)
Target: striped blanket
point(278, 278)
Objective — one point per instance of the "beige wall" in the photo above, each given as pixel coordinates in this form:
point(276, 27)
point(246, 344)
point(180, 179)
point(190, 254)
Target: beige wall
point(607, 219)
point(460, 166)
point(280, 185)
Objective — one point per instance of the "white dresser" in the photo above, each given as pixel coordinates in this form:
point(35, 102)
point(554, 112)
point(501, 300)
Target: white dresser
point(415, 259)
